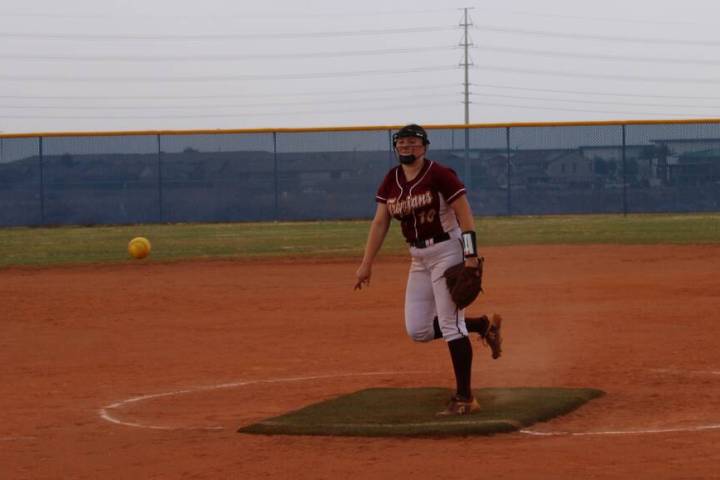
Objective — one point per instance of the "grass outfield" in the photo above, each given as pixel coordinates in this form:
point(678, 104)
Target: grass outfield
point(78, 245)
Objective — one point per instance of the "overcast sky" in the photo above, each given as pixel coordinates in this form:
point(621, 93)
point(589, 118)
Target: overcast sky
point(82, 65)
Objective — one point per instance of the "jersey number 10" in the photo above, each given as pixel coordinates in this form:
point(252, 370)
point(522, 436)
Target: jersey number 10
point(427, 217)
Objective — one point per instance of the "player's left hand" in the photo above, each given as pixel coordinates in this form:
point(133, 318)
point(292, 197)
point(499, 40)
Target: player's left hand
point(472, 262)
point(363, 276)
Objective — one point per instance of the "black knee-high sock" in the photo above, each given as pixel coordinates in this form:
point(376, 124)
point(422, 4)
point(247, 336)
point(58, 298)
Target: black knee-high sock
point(477, 324)
point(461, 354)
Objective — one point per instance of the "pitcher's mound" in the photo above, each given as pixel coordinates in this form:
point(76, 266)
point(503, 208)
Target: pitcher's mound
point(379, 412)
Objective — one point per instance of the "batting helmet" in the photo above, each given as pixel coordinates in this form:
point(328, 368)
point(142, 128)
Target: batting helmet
point(411, 130)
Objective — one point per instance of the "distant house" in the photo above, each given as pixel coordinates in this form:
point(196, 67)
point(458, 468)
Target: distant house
point(678, 146)
point(610, 153)
point(529, 167)
point(687, 160)
point(694, 168)
point(614, 152)
point(555, 167)
point(641, 161)
point(572, 168)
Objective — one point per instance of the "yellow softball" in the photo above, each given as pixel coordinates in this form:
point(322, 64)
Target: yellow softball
point(139, 247)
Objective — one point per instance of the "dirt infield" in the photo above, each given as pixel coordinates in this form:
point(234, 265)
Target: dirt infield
point(146, 370)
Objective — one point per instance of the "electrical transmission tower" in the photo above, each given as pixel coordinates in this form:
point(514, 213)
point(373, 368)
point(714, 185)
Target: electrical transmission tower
point(466, 43)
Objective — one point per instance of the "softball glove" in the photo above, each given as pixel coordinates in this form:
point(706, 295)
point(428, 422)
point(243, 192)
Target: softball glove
point(464, 283)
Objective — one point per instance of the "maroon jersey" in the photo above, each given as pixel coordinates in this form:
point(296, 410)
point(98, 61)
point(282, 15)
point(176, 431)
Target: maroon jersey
point(422, 204)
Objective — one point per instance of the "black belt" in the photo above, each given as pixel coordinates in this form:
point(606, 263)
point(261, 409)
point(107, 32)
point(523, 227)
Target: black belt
point(426, 242)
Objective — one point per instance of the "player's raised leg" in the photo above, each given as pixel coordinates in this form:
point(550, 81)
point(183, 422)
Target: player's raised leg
point(489, 329)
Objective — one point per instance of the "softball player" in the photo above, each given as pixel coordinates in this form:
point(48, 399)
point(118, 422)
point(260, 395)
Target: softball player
point(431, 204)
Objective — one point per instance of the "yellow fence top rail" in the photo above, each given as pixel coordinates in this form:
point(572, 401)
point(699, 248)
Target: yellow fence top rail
point(356, 128)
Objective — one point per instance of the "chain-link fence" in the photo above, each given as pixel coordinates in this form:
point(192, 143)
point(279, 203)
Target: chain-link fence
point(313, 174)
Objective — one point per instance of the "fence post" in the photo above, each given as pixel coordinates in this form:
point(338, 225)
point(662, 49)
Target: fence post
point(160, 178)
point(275, 178)
point(624, 174)
point(42, 180)
point(508, 172)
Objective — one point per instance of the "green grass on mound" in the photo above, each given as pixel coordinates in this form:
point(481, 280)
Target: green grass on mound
point(379, 412)
point(174, 242)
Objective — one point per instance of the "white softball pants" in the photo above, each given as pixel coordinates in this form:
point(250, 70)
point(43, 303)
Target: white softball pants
point(427, 296)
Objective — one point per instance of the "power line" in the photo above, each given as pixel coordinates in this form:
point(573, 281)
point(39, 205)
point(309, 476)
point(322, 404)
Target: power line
point(521, 97)
point(604, 76)
point(593, 92)
point(633, 21)
point(216, 78)
point(350, 33)
point(584, 110)
point(323, 93)
point(220, 115)
point(258, 74)
point(344, 13)
point(606, 38)
point(223, 57)
point(221, 36)
point(216, 106)
point(339, 101)
point(593, 56)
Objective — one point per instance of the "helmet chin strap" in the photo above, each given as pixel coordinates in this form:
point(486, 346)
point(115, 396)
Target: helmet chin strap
point(407, 159)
